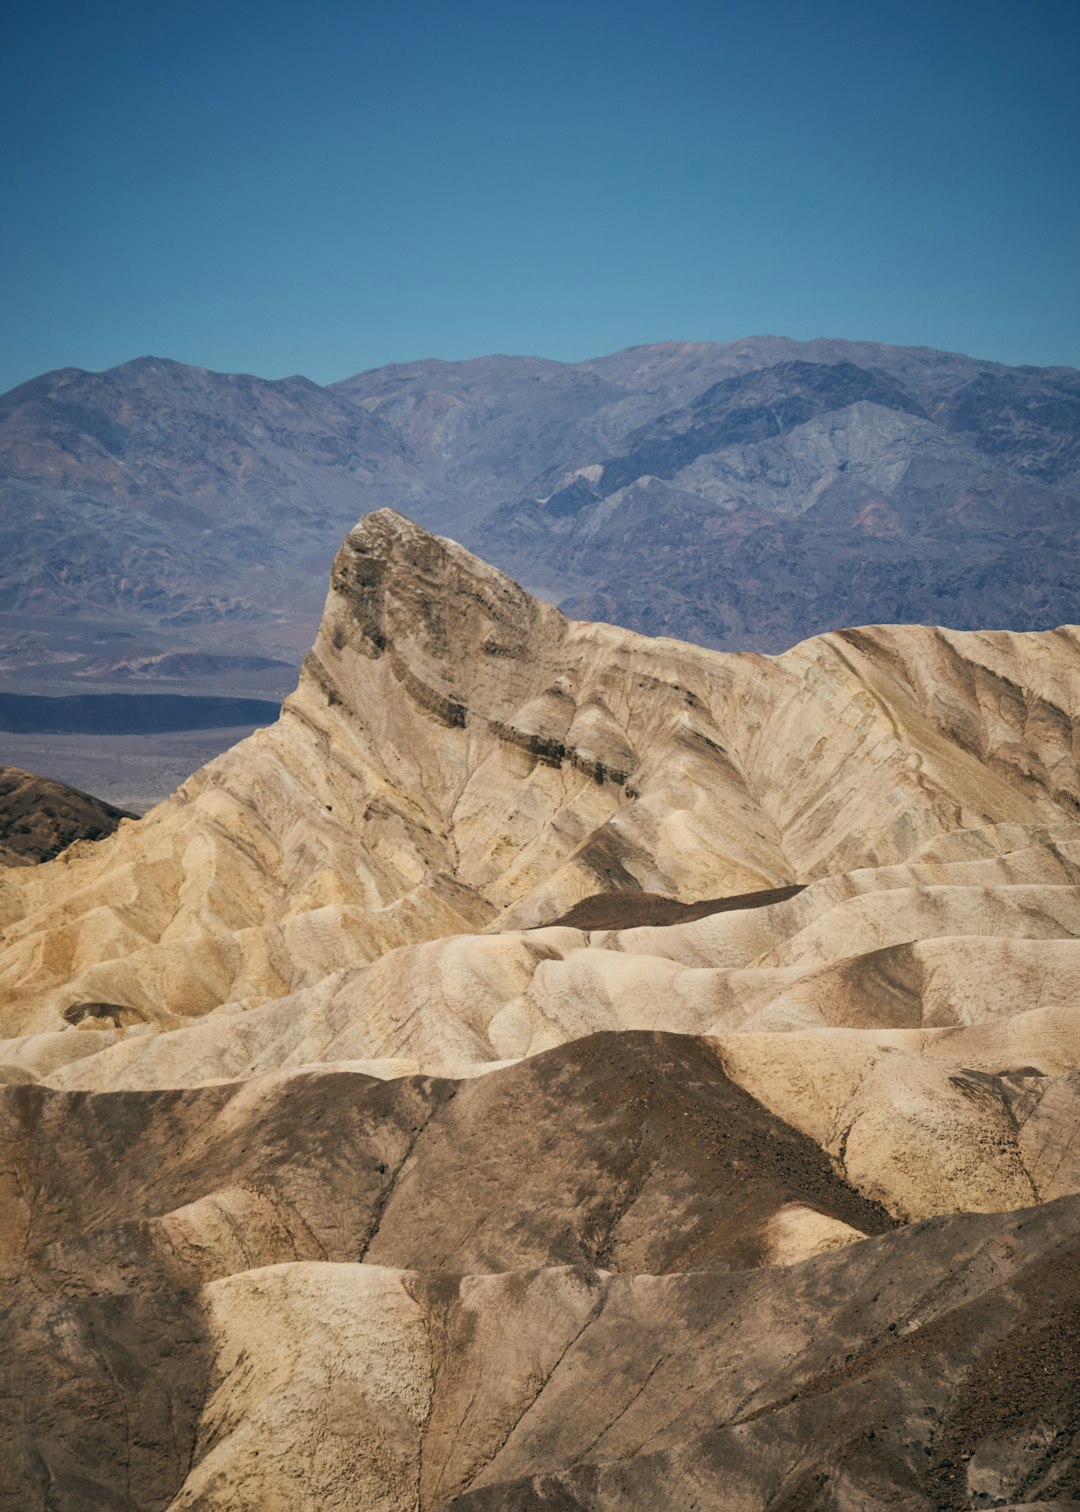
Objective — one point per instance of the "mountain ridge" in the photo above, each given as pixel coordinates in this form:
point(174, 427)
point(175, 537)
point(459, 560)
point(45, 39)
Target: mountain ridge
point(40, 818)
point(173, 501)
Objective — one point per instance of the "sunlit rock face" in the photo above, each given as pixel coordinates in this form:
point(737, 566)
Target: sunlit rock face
point(354, 1158)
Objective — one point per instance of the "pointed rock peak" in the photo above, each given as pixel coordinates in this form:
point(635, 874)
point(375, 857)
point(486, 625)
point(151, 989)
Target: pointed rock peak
point(396, 586)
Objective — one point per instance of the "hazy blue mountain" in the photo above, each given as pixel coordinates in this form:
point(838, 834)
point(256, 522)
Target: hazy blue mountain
point(744, 494)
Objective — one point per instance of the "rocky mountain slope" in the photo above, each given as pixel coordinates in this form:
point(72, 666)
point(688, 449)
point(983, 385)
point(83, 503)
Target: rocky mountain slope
point(39, 818)
point(168, 510)
point(176, 525)
point(352, 1157)
point(792, 498)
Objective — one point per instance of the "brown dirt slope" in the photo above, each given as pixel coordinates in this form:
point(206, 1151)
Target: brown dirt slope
point(641, 1155)
point(39, 818)
point(933, 1368)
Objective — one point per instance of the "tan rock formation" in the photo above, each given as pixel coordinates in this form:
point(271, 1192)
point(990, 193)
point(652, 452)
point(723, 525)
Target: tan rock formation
point(459, 755)
point(348, 1179)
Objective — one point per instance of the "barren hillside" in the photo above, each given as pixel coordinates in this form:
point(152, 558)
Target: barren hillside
point(552, 1068)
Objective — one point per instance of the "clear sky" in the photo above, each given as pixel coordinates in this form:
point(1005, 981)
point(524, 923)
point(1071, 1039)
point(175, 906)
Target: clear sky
point(319, 188)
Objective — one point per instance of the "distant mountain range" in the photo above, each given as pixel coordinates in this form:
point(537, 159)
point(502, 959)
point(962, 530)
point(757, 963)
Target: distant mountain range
point(175, 525)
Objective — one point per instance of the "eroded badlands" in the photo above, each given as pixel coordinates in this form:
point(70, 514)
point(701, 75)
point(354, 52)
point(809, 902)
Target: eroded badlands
point(341, 1170)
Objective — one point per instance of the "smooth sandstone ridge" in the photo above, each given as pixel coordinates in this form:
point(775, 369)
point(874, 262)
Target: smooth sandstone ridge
point(335, 1174)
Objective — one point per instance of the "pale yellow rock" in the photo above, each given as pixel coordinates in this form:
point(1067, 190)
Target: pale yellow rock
point(470, 999)
point(323, 1393)
point(795, 1233)
point(924, 1121)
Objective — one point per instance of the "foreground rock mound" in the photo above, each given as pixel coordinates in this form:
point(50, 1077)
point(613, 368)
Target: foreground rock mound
point(617, 1132)
point(932, 1368)
point(551, 1068)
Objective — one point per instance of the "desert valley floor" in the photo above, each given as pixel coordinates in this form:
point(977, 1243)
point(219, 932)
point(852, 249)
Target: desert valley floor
point(556, 1069)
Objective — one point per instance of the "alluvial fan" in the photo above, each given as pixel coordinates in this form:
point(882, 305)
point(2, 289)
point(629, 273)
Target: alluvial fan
point(552, 1068)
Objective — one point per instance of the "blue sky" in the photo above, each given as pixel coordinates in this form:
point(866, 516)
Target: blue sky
point(280, 188)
